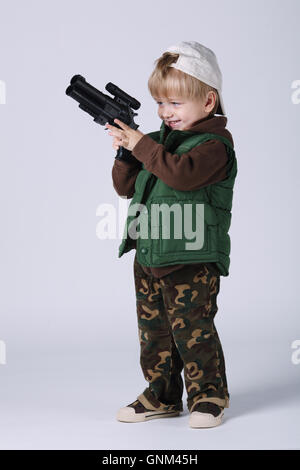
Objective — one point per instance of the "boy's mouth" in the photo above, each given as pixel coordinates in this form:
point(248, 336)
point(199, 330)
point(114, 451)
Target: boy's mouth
point(173, 123)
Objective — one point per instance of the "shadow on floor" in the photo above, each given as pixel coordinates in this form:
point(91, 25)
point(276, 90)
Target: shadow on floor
point(263, 397)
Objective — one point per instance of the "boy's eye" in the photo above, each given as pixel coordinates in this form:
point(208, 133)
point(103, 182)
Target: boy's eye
point(173, 102)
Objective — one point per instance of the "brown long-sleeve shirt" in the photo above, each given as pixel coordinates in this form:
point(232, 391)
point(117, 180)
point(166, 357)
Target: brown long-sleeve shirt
point(201, 166)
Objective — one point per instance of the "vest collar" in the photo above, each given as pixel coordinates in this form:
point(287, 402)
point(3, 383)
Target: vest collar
point(167, 135)
point(211, 124)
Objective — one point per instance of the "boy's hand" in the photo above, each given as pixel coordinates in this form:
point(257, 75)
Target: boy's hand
point(124, 137)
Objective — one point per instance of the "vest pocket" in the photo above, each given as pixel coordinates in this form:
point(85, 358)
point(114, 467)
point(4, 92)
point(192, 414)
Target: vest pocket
point(183, 228)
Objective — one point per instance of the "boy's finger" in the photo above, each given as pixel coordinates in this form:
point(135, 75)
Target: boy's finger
point(109, 126)
point(115, 132)
point(121, 124)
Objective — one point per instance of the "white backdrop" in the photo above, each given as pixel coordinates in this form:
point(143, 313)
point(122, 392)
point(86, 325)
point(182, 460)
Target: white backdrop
point(67, 302)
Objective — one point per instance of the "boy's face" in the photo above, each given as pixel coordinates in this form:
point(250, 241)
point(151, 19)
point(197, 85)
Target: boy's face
point(186, 111)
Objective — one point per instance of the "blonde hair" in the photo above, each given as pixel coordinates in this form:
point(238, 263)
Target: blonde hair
point(166, 80)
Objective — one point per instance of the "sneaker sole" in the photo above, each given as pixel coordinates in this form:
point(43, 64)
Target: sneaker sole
point(128, 415)
point(204, 420)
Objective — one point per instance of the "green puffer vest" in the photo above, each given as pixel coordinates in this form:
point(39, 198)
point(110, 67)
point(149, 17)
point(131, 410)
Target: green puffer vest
point(156, 243)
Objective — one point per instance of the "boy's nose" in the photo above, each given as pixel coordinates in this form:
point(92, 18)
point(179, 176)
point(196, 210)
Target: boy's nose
point(167, 116)
point(166, 113)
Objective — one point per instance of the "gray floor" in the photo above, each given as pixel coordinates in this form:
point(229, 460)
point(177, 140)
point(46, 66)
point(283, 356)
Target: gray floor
point(69, 401)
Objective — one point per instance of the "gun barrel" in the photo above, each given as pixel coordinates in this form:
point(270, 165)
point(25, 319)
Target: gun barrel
point(84, 100)
point(101, 106)
point(79, 85)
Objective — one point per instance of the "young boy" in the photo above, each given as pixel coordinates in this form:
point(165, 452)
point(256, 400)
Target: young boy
point(189, 162)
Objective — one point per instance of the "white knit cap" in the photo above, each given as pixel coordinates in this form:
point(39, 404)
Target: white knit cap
point(199, 62)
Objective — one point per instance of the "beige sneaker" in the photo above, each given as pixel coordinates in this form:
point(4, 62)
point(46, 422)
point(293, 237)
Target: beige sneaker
point(136, 412)
point(206, 415)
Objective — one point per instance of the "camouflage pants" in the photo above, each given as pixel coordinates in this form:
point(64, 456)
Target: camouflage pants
point(176, 331)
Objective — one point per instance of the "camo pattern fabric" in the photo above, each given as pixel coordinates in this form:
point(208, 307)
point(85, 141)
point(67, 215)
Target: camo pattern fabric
point(175, 316)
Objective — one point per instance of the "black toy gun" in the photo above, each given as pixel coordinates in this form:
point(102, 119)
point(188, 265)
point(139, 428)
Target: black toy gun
point(105, 109)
